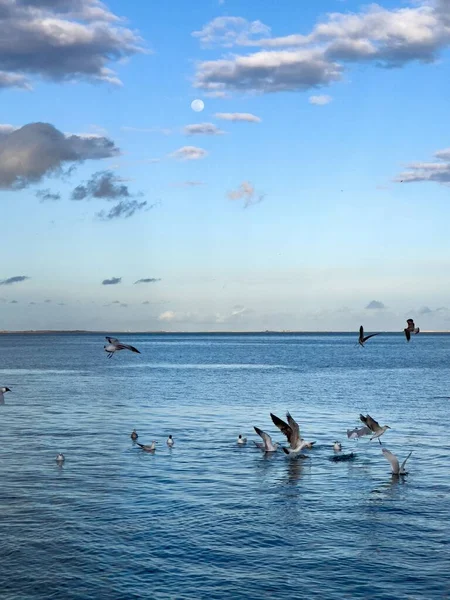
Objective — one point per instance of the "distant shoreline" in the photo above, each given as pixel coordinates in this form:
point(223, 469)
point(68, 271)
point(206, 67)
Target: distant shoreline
point(164, 332)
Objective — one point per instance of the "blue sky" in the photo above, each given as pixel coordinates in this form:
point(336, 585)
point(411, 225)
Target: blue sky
point(333, 193)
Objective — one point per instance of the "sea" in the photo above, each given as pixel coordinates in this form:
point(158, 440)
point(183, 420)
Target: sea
point(208, 519)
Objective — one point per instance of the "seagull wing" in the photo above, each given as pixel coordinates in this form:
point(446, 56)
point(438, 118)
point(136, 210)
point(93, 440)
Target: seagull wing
point(112, 340)
point(407, 334)
point(295, 429)
point(259, 445)
point(127, 347)
point(402, 468)
point(265, 438)
point(369, 336)
point(371, 423)
point(392, 459)
point(284, 428)
point(361, 333)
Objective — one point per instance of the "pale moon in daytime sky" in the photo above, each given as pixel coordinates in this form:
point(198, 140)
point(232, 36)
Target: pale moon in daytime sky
point(197, 105)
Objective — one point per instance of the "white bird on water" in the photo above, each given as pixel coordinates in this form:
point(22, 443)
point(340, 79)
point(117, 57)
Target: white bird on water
point(397, 469)
point(355, 434)
point(60, 458)
point(3, 391)
point(114, 345)
point(170, 441)
point(337, 446)
point(291, 430)
point(266, 445)
point(241, 440)
point(148, 447)
point(374, 426)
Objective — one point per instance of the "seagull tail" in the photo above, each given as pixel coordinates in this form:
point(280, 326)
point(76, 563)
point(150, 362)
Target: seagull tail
point(285, 450)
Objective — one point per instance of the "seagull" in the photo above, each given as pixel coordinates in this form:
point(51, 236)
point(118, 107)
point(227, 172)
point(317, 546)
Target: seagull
point(134, 435)
point(374, 426)
point(170, 441)
point(241, 440)
point(411, 328)
point(396, 468)
point(355, 434)
point(267, 445)
point(148, 448)
point(3, 390)
point(114, 346)
point(337, 446)
point(60, 458)
point(362, 339)
point(291, 430)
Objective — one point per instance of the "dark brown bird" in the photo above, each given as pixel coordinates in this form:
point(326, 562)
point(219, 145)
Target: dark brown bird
point(411, 328)
point(134, 435)
point(362, 339)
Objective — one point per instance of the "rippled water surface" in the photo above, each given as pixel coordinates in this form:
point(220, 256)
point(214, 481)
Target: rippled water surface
point(208, 519)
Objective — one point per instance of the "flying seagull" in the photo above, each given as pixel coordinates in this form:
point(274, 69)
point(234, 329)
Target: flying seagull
point(134, 435)
point(3, 391)
point(355, 434)
point(374, 426)
point(148, 448)
point(362, 338)
point(170, 441)
point(241, 440)
point(291, 430)
point(397, 469)
point(266, 445)
point(114, 346)
point(411, 328)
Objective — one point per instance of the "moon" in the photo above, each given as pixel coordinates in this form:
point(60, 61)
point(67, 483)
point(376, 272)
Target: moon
point(197, 105)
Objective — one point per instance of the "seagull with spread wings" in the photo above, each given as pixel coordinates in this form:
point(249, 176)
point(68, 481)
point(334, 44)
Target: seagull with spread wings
point(266, 445)
point(397, 469)
point(362, 338)
point(114, 345)
point(411, 328)
point(374, 426)
point(291, 430)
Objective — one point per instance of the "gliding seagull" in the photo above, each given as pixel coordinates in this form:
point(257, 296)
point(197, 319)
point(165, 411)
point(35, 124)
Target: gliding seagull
point(362, 339)
point(397, 469)
point(114, 345)
point(374, 426)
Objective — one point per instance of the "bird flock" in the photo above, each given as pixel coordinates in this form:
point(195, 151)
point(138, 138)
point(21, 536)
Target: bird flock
point(290, 429)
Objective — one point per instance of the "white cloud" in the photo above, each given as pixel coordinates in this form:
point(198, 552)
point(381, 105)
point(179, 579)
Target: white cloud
point(246, 192)
point(238, 117)
point(438, 172)
point(320, 100)
point(189, 153)
point(230, 31)
point(202, 129)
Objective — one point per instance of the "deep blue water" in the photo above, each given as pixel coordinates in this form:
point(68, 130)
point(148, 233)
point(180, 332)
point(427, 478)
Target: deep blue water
point(208, 519)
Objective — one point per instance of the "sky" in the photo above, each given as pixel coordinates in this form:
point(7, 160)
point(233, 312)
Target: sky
point(311, 192)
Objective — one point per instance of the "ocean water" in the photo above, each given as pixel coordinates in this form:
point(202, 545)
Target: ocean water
point(208, 519)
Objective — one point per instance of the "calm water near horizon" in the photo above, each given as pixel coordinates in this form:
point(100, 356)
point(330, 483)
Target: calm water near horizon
point(208, 519)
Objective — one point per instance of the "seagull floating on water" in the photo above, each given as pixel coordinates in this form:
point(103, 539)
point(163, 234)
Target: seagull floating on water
point(362, 338)
point(397, 469)
point(337, 446)
point(3, 391)
point(170, 441)
point(291, 430)
point(241, 440)
point(266, 445)
point(60, 458)
point(148, 447)
point(355, 434)
point(411, 328)
point(114, 345)
point(374, 427)
point(134, 435)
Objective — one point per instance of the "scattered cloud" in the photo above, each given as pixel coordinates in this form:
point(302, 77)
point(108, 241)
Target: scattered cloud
point(320, 100)
point(47, 195)
point(124, 209)
point(30, 152)
point(238, 117)
point(15, 279)
point(48, 301)
point(13, 302)
point(425, 310)
point(162, 130)
point(246, 192)
point(168, 316)
point(189, 184)
point(112, 281)
point(104, 185)
point(380, 36)
point(438, 172)
point(375, 305)
point(231, 31)
point(62, 40)
point(202, 129)
point(189, 153)
point(147, 280)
